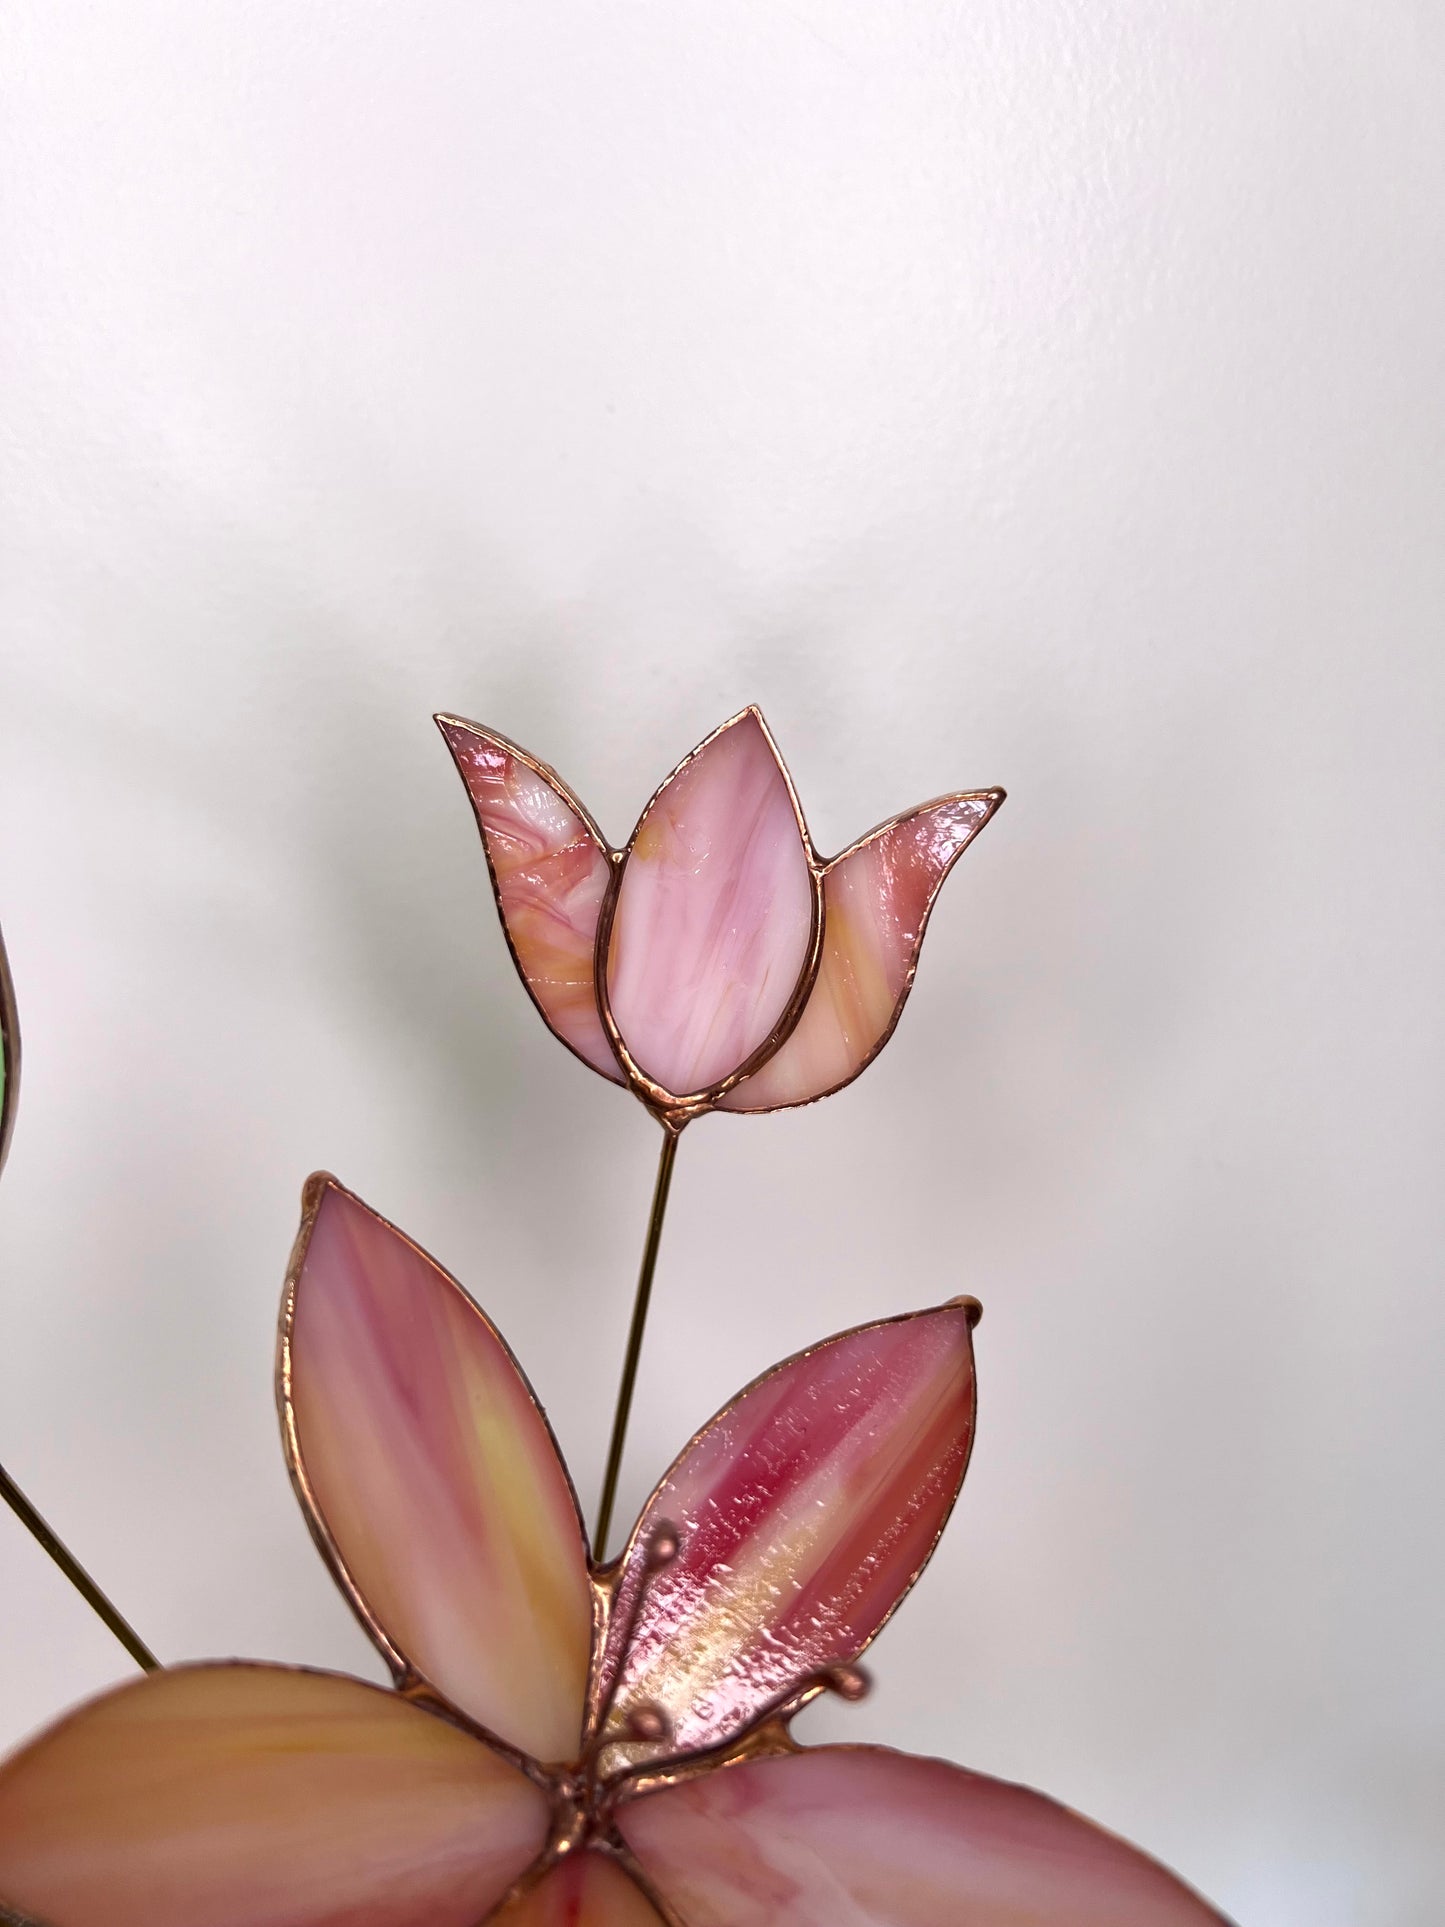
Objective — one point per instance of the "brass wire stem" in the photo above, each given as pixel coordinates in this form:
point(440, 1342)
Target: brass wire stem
point(77, 1575)
point(634, 1341)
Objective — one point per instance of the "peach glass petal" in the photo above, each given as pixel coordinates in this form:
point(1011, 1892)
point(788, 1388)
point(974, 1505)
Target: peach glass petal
point(432, 1479)
point(872, 1838)
point(714, 922)
point(584, 1890)
point(806, 1509)
point(9, 1054)
point(876, 902)
point(258, 1796)
point(549, 869)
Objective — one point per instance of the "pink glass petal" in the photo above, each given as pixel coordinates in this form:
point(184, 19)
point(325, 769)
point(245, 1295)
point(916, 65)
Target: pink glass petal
point(806, 1509)
point(9, 1055)
point(550, 870)
point(584, 1890)
point(257, 1796)
point(714, 921)
point(433, 1480)
point(872, 1838)
point(876, 901)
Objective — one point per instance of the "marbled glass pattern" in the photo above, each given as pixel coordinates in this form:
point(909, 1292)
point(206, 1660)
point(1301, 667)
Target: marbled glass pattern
point(876, 901)
point(258, 1796)
point(805, 1509)
point(864, 1837)
point(550, 870)
point(714, 921)
point(584, 1890)
point(436, 1476)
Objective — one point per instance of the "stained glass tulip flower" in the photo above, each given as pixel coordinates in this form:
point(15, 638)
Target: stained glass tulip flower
point(605, 1747)
point(716, 961)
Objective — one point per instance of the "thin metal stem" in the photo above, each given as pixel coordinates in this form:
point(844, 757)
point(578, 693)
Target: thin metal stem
point(76, 1574)
point(634, 1340)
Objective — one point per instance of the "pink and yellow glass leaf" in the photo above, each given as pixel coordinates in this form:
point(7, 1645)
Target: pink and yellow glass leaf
point(550, 870)
point(805, 1510)
point(874, 1838)
point(432, 1479)
point(877, 898)
point(713, 936)
point(261, 1796)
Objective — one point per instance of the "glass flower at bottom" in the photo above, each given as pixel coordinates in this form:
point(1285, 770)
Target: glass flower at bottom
point(566, 1742)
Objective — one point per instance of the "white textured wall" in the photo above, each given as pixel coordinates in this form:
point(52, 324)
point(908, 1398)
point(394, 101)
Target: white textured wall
point(1021, 391)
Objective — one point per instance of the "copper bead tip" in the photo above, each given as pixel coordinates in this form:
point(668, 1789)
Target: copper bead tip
point(971, 1309)
point(648, 1722)
point(663, 1545)
point(848, 1682)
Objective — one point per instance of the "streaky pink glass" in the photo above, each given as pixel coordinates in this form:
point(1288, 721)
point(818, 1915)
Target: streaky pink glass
point(872, 1838)
point(550, 870)
point(876, 902)
point(806, 1509)
point(427, 1462)
point(584, 1890)
point(259, 1796)
point(714, 922)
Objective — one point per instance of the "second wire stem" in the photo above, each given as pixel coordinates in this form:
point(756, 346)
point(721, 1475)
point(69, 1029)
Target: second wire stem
point(634, 1340)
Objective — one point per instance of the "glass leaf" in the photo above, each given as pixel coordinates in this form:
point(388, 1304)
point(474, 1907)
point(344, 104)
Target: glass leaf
point(260, 1796)
point(876, 903)
point(881, 1839)
point(431, 1478)
point(713, 933)
point(550, 869)
point(805, 1509)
